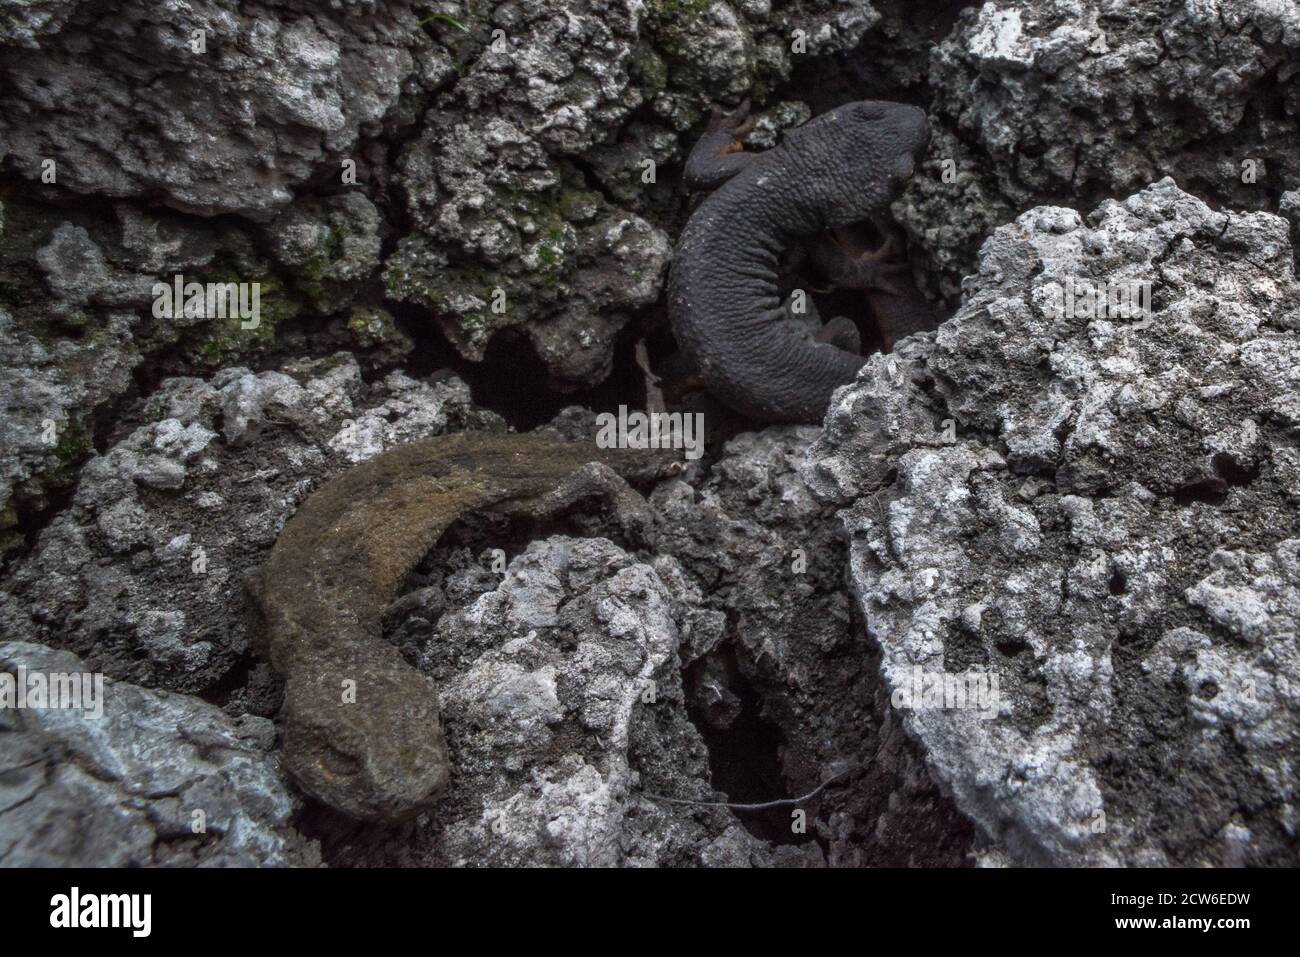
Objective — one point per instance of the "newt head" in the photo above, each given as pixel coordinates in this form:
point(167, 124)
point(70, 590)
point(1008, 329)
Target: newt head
point(363, 736)
point(858, 157)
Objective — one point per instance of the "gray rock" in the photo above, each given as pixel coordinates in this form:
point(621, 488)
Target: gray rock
point(330, 245)
point(1099, 512)
point(158, 779)
point(1068, 80)
point(580, 631)
point(49, 390)
point(1094, 98)
point(74, 266)
point(771, 624)
point(21, 23)
point(126, 107)
point(78, 319)
point(1289, 209)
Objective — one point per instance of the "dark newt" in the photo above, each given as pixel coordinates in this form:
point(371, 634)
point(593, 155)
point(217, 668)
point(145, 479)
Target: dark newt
point(374, 749)
point(838, 169)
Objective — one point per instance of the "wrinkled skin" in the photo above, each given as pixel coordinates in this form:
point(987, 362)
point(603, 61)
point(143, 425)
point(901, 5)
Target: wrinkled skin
point(724, 303)
point(361, 727)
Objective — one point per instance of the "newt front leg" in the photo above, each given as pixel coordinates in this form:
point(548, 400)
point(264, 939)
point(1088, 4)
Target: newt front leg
point(719, 154)
point(361, 727)
point(900, 308)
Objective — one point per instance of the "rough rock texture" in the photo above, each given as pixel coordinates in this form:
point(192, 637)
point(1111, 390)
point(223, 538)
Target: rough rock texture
point(562, 651)
point(78, 320)
point(778, 648)
point(126, 106)
point(1103, 513)
point(1109, 522)
point(160, 779)
point(47, 390)
point(331, 245)
point(1069, 94)
point(1048, 99)
point(143, 574)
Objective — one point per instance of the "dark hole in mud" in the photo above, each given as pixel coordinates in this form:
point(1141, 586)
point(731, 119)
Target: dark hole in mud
point(1118, 583)
point(1010, 647)
point(344, 842)
point(1134, 637)
point(234, 680)
point(853, 304)
point(1229, 473)
point(1236, 474)
point(512, 380)
point(965, 649)
point(1208, 491)
point(744, 747)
